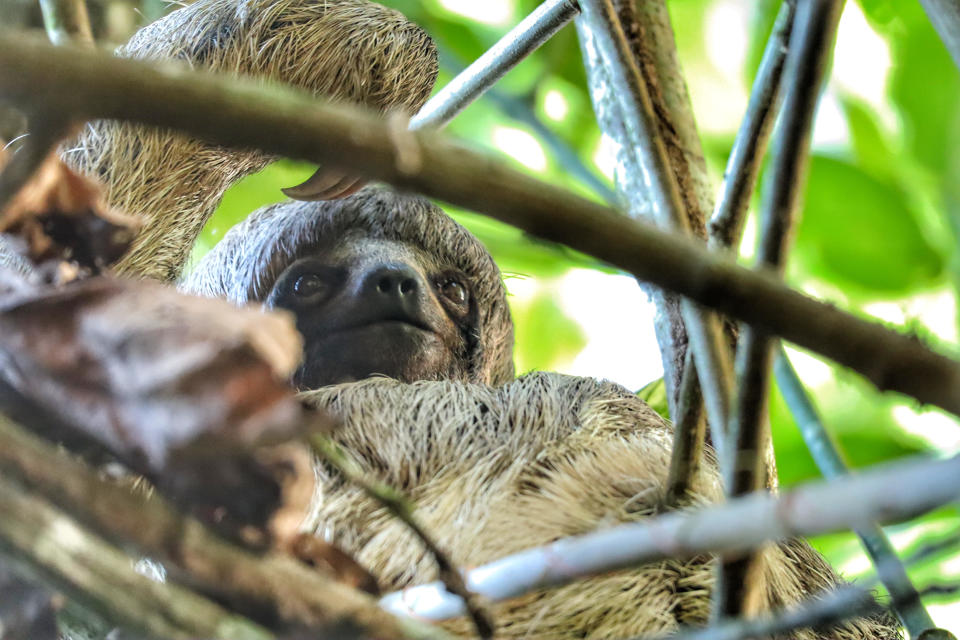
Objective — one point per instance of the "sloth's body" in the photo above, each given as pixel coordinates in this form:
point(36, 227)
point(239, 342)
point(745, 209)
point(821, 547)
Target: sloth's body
point(494, 465)
point(495, 470)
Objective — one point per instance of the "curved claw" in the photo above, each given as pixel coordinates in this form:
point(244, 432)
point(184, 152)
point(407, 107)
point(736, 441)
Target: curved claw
point(325, 184)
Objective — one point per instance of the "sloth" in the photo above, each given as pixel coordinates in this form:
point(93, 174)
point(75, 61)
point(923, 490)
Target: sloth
point(386, 283)
point(408, 339)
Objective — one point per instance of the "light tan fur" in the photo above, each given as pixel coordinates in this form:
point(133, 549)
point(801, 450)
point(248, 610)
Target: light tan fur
point(495, 470)
point(347, 50)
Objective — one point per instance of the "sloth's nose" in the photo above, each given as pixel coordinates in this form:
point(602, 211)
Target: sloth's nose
point(392, 281)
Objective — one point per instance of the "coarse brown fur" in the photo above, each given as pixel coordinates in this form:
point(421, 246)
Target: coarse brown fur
point(347, 50)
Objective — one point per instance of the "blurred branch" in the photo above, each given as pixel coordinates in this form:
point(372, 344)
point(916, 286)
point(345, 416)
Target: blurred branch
point(54, 549)
point(829, 459)
point(626, 110)
point(945, 16)
point(235, 113)
point(894, 492)
point(749, 432)
point(67, 22)
point(403, 510)
point(276, 586)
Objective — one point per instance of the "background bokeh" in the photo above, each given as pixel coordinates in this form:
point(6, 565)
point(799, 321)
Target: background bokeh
point(878, 234)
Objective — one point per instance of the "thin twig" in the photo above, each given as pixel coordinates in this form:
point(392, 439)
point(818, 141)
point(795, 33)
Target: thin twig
point(746, 156)
point(689, 435)
point(830, 460)
point(236, 113)
point(397, 504)
point(483, 73)
point(894, 492)
point(56, 550)
point(273, 584)
point(67, 22)
point(642, 133)
point(945, 16)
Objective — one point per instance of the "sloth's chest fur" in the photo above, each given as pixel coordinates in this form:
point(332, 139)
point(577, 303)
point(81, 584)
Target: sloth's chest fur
point(493, 471)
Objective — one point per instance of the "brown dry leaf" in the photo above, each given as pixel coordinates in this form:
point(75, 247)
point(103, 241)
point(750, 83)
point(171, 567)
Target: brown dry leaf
point(180, 388)
point(328, 557)
point(61, 215)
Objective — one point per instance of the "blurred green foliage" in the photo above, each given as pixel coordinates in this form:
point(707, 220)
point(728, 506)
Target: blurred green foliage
point(877, 229)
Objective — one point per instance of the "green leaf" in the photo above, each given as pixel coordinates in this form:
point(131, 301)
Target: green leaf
point(862, 233)
point(761, 25)
point(546, 338)
point(655, 395)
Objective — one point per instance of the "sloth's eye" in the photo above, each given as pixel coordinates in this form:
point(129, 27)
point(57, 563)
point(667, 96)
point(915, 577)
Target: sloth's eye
point(454, 291)
point(308, 285)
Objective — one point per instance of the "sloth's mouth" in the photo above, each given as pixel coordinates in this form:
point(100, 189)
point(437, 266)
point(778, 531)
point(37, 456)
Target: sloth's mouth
point(388, 323)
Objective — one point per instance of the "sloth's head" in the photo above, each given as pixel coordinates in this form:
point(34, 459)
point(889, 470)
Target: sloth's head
point(380, 283)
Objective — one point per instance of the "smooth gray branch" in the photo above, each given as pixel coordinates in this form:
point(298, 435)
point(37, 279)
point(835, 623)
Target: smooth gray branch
point(634, 119)
point(945, 16)
point(236, 113)
point(812, 40)
point(893, 492)
point(826, 453)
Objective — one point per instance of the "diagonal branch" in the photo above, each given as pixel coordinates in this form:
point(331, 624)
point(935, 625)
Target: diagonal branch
point(830, 460)
point(241, 114)
point(403, 509)
point(893, 492)
point(277, 587)
point(812, 38)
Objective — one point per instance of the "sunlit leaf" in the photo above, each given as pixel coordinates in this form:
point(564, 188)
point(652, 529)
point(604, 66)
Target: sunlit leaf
point(861, 232)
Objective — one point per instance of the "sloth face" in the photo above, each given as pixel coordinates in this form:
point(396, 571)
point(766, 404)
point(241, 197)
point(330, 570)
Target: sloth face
point(371, 306)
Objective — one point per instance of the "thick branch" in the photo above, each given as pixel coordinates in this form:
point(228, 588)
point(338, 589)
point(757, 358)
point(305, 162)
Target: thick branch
point(632, 114)
point(896, 492)
point(61, 553)
point(240, 114)
point(274, 585)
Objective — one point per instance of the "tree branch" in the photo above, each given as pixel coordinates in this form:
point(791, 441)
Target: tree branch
point(945, 16)
point(59, 552)
point(895, 492)
point(67, 22)
point(649, 177)
point(274, 585)
point(746, 156)
point(241, 114)
point(830, 460)
point(748, 430)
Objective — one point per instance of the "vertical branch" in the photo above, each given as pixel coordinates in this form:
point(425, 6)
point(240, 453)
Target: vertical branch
point(743, 166)
point(813, 37)
point(827, 454)
point(67, 22)
point(647, 176)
